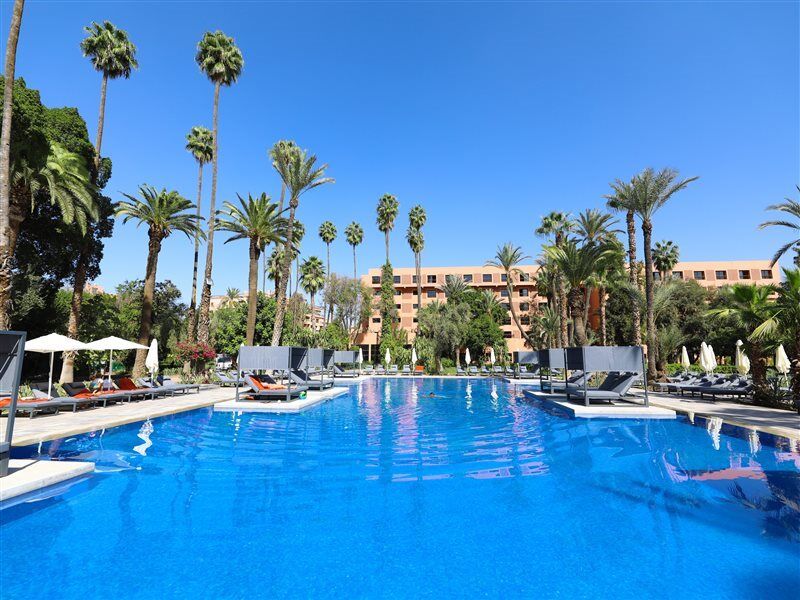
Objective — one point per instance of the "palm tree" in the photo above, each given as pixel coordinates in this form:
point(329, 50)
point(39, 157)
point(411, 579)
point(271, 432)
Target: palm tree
point(298, 234)
point(577, 264)
point(232, 295)
point(454, 288)
point(548, 324)
point(113, 54)
point(274, 263)
point(665, 257)
point(300, 173)
point(558, 225)
point(508, 259)
point(416, 220)
point(6, 251)
point(355, 235)
point(222, 62)
point(749, 306)
point(327, 233)
point(622, 200)
point(387, 213)
point(163, 212)
point(281, 150)
point(651, 191)
point(257, 220)
point(792, 208)
point(200, 143)
point(488, 302)
point(312, 278)
point(594, 227)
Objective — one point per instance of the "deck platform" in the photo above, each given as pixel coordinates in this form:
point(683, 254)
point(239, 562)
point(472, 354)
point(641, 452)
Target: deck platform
point(617, 410)
point(312, 398)
point(27, 475)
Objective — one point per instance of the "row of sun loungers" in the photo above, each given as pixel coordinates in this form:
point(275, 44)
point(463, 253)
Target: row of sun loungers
point(708, 386)
point(78, 396)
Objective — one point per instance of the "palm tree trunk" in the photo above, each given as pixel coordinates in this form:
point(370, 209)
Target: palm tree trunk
point(563, 309)
point(576, 309)
point(636, 314)
point(101, 118)
point(386, 234)
point(355, 267)
point(192, 317)
point(647, 232)
point(205, 300)
point(252, 293)
point(286, 267)
point(510, 288)
point(601, 292)
point(418, 261)
point(761, 391)
point(78, 286)
point(329, 308)
point(796, 370)
point(587, 304)
point(6, 248)
point(313, 320)
point(154, 247)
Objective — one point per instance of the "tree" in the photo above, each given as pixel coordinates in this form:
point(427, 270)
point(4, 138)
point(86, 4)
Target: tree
point(387, 213)
point(6, 250)
point(665, 256)
point(258, 221)
point(298, 234)
point(232, 295)
point(351, 302)
point(455, 288)
point(558, 225)
point(416, 220)
point(163, 212)
point(651, 191)
point(547, 326)
point(386, 304)
point(444, 325)
point(507, 259)
point(228, 324)
point(749, 307)
point(355, 235)
point(594, 227)
point(792, 208)
point(114, 55)
point(312, 278)
point(300, 173)
point(327, 233)
point(280, 151)
point(200, 143)
point(622, 200)
point(222, 62)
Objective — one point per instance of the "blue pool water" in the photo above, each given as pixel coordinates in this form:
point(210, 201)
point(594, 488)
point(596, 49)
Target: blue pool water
point(388, 492)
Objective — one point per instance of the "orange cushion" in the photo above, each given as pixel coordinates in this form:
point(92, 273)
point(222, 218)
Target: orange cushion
point(7, 401)
point(125, 383)
point(257, 382)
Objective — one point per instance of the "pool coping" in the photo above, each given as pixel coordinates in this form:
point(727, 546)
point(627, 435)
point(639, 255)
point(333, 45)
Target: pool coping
point(313, 398)
point(31, 475)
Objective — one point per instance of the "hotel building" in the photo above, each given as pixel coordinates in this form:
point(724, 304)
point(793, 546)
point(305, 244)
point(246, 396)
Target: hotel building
point(710, 274)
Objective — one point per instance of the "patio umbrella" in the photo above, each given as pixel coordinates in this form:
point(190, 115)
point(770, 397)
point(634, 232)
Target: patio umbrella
point(112, 343)
point(491, 356)
point(703, 358)
point(360, 356)
point(712, 356)
point(685, 362)
point(467, 357)
point(742, 363)
point(50, 344)
point(413, 356)
point(782, 364)
point(387, 359)
point(151, 362)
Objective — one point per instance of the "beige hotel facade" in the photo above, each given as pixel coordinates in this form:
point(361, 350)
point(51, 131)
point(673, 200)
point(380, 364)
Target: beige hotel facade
point(710, 274)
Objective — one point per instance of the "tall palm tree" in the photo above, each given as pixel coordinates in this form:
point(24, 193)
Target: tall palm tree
point(387, 213)
point(749, 306)
point(622, 200)
point(222, 62)
point(594, 227)
point(312, 278)
point(454, 288)
point(416, 220)
point(300, 173)
point(164, 213)
point(280, 151)
point(665, 256)
point(355, 235)
point(488, 302)
point(577, 264)
point(257, 220)
point(232, 294)
point(298, 234)
point(274, 263)
point(651, 191)
point(200, 143)
point(508, 258)
point(558, 225)
point(6, 251)
point(114, 55)
point(327, 233)
point(792, 208)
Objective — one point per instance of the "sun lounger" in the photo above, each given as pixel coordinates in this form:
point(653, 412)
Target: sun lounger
point(575, 380)
point(392, 370)
point(525, 374)
point(271, 391)
point(224, 379)
point(497, 370)
point(139, 392)
point(703, 384)
point(473, 370)
point(33, 405)
point(368, 370)
point(301, 377)
point(379, 370)
point(338, 372)
point(406, 370)
point(460, 372)
point(484, 371)
point(80, 396)
point(734, 388)
point(614, 387)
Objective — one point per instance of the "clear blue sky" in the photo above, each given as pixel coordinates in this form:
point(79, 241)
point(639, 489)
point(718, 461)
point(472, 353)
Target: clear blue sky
point(489, 114)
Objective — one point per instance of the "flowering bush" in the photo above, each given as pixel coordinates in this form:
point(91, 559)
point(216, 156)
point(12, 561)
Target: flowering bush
point(195, 353)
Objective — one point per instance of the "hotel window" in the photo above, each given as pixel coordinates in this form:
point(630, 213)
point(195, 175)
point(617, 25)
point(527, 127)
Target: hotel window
point(397, 293)
point(397, 278)
point(503, 277)
point(415, 306)
point(397, 306)
point(507, 334)
point(656, 275)
point(504, 293)
point(413, 279)
point(744, 273)
point(376, 319)
point(699, 275)
point(487, 278)
point(431, 278)
point(525, 320)
point(378, 292)
point(524, 276)
point(721, 274)
point(376, 279)
point(467, 278)
point(524, 292)
point(431, 293)
point(524, 306)
point(677, 274)
point(766, 274)
point(415, 319)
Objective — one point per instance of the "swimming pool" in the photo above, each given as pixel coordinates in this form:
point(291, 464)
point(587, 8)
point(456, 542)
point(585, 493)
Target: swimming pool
point(389, 492)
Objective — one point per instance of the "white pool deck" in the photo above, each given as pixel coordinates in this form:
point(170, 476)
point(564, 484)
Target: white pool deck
point(313, 398)
point(617, 410)
point(26, 475)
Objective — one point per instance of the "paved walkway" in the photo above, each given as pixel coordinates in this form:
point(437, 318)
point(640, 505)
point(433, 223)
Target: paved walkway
point(51, 427)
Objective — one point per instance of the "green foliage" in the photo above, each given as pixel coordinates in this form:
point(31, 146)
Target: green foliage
point(386, 303)
point(109, 49)
point(334, 336)
point(351, 302)
point(445, 327)
point(229, 324)
point(219, 58)
point(481, 332)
